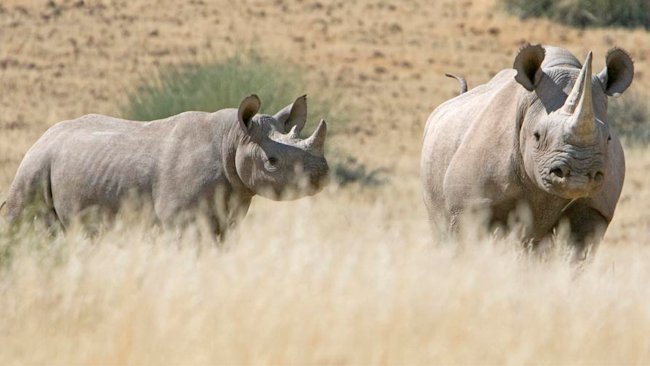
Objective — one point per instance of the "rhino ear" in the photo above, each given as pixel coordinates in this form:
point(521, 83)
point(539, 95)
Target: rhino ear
point(295, 114)
point(528, 64)
point(247, 109)
point(617, 75)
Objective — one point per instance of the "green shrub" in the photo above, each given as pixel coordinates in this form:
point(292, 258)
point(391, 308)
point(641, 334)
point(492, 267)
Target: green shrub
point(629, 115)
point(224, 84)
point(585, 13)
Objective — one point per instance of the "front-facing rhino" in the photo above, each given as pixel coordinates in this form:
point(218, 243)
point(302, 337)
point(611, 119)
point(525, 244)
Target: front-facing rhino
point(535, 135)
point(191, 164)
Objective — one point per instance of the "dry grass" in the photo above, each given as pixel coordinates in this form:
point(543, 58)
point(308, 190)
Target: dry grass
point(351, 276)
point(323, 281)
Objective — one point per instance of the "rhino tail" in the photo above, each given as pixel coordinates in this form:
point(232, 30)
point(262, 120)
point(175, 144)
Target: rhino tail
point(2, 215)
point(461, 80)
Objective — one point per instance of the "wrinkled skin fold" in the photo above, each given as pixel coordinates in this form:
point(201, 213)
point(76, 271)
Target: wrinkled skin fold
point(533, 142)
point(191, 165)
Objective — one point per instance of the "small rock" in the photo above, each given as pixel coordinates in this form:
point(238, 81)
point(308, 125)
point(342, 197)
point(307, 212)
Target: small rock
point(395, 28)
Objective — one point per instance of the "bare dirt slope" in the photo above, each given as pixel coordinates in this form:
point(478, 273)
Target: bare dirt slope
point(60, 59)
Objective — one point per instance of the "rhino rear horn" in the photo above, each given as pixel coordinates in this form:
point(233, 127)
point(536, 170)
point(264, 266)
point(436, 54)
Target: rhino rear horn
point(295, 114)
point(294, 133)
point(248, 108)
point(528, 64)
point(618, 73)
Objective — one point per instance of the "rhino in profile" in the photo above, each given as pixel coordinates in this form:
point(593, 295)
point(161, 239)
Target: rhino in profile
point(191, 164)
point(535, 136)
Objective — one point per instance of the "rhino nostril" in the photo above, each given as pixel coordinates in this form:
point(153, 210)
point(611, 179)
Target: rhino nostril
point(560, 171)
point(598, 177)
point(557, 172)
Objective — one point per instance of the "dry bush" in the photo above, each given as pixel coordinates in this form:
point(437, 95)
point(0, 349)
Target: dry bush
point(584, 13)
point(630, 117)
point(223, 84)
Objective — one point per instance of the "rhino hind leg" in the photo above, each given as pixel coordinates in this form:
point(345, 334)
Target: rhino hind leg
point(587, 228)
point(30, 196)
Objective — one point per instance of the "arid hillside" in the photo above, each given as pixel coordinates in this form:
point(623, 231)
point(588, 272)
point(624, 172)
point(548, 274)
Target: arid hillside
point(62, 59)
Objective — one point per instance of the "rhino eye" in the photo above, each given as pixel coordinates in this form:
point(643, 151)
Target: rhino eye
point(609, 138)
point(536, 134)
point(273, 160)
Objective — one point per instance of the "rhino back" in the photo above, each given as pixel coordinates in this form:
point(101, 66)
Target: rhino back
point(469, 140)
point(99, 160)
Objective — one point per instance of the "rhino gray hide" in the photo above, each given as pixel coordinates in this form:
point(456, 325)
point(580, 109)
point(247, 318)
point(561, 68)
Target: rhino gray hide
point(535, 136)
point(194, 163)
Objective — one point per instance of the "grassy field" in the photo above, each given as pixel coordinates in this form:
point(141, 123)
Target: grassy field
point(337, 283)
point(350, 276)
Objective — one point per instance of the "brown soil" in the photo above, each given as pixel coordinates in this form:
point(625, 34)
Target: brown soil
point(61, 59)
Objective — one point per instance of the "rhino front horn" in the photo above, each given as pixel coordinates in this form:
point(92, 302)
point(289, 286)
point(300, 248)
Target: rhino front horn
point(580, 105)
point(316, 141)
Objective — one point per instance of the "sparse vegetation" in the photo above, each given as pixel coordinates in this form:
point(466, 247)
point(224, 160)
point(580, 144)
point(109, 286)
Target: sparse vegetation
point(349, 170)
point(630, 117)
point(585, 13)
point(223, 84)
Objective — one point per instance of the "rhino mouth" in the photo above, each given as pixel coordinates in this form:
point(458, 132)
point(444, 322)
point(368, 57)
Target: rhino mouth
point(304, 185)
point(568, 187)
point(309, 185)
point(572, 185)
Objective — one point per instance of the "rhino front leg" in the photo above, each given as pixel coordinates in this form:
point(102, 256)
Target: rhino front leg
point(587, 227)
point(219, 211)
point(222, 214)
point(471, 217)
point(230, 211)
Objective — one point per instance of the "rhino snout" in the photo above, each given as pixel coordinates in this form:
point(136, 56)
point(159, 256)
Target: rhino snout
point(319, 178)
point(574, 183)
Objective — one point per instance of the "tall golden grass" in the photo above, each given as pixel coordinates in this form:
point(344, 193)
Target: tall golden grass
point(341, 278)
